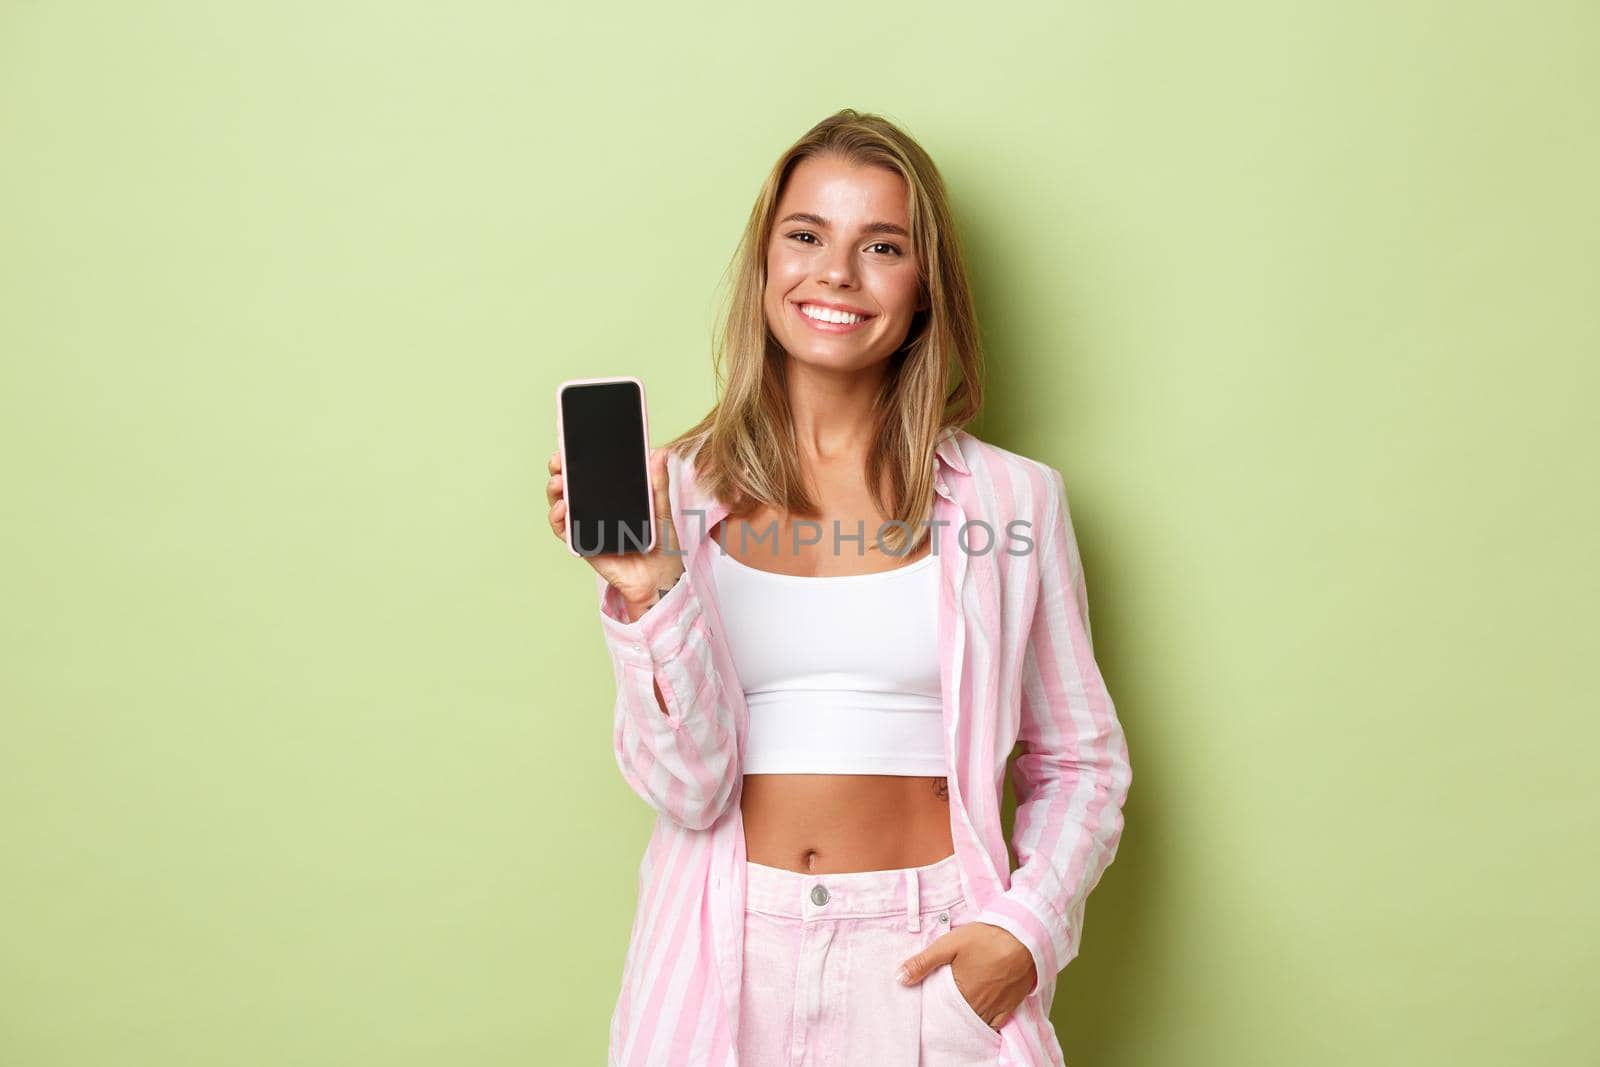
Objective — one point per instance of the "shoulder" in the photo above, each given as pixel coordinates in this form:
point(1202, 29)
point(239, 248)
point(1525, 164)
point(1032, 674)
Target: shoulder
point(1009, 481)
point(680, 462)
point(682, 474)
point(980, 452)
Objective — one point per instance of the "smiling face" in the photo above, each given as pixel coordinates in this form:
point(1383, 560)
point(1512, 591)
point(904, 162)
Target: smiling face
point(842, 283)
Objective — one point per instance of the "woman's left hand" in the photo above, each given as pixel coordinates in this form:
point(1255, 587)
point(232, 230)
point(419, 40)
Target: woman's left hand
point(992, 969)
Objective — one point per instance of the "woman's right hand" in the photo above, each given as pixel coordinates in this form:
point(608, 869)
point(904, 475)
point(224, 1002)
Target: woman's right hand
point(641, 578)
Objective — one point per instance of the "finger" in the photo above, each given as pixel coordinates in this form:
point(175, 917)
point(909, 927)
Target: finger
point(658, 479)
point(941, 950)
point(555, 462)
point(663, 499)
point(553, 489)
point(558, 519)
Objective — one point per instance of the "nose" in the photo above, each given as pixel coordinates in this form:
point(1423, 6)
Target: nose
point(838, 268)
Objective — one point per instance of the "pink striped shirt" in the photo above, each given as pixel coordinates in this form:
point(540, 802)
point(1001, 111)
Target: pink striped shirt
point(1017, 664)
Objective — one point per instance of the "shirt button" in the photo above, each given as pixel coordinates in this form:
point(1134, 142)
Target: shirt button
point(819, 895)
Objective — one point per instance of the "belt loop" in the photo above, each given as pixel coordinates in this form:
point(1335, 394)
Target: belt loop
point(913, 902)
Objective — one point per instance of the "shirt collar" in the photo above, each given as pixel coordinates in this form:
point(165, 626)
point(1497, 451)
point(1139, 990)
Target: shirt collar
point(949, 451)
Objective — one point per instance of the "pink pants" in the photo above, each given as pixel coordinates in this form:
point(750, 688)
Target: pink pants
point(820, 954)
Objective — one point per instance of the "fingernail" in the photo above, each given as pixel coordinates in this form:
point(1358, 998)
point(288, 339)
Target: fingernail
point(904, 976)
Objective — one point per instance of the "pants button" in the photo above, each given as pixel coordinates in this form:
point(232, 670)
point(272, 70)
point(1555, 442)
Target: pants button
point(819, 895)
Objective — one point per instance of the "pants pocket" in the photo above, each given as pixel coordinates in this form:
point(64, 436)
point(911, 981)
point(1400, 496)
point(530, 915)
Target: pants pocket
point(953, 1033)
point(946, 977)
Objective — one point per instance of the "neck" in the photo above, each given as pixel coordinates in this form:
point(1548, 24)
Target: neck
point(832, 411)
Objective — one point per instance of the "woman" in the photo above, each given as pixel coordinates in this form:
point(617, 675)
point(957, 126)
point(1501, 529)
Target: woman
point(856, 612)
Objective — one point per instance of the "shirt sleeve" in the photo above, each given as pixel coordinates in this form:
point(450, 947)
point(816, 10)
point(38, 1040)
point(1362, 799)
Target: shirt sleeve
point(684, 762)
point(1073, 777)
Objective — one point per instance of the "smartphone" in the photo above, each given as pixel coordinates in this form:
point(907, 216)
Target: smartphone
point(605, 466)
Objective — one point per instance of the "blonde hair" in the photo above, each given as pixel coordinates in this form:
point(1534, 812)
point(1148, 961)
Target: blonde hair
point(745, 453)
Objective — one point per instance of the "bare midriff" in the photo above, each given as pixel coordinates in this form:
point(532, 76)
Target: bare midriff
point(837, 823)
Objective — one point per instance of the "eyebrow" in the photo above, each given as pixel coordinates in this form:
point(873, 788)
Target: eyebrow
point(871, 227)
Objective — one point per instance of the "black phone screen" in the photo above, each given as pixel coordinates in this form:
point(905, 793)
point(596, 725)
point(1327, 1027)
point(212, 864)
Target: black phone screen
point(605, 478)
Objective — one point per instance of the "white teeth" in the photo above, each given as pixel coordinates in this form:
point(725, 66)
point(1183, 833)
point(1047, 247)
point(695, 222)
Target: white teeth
point(812, 311)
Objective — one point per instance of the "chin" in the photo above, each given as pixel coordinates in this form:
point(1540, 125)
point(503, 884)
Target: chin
point(834, 361)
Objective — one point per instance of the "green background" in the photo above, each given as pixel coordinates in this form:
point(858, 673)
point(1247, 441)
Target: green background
point(305, 750)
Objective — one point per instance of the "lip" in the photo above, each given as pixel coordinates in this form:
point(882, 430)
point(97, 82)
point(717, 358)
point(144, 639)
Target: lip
point(831, 327)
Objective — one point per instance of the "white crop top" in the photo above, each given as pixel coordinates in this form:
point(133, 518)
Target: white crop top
point(840, 673)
